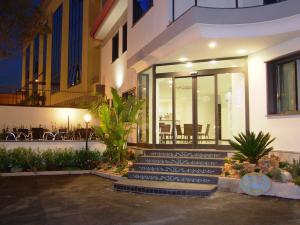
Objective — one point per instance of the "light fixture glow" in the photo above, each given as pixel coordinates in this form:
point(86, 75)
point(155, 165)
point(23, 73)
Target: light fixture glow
point(182, 59)
point(213, 61)
point(87, 118)
point(189, 65)
point(212, 45)
point(234, 66)
point(170, 81)
point(36, 80)
point(241, 51)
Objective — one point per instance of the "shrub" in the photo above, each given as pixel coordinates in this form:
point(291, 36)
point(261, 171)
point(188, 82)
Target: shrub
point(251, 147)
point(275, 174)
point(29, 160)
point(294, 168)
point(297, 180)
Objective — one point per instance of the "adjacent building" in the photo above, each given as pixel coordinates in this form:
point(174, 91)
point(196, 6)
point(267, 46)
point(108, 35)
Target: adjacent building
point(61, 67)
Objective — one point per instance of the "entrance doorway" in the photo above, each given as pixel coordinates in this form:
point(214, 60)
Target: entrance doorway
point(199, 110)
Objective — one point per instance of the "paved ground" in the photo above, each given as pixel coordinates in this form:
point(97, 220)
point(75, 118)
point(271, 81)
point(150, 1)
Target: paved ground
point(91, 200)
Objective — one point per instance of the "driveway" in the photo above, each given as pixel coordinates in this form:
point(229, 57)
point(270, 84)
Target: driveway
point(89, 200)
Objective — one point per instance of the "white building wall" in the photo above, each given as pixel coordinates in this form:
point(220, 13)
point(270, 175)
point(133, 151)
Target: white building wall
point(286, 129)
point(147, 28)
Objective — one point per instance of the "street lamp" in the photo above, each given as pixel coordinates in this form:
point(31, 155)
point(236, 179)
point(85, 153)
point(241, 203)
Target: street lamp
point(87, 118)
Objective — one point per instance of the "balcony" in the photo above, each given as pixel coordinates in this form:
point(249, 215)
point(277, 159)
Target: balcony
point(179, 7)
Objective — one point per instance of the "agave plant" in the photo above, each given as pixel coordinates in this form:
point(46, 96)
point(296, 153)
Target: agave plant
point(251, 147)
point(116, 122)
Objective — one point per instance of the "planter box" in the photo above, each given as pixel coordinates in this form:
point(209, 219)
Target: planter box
point(281, 190)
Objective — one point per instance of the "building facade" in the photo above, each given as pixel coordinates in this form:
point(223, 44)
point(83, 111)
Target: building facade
point(207, 70)
point(61, 66)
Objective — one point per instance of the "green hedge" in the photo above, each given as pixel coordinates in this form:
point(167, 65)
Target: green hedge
point(29, 160)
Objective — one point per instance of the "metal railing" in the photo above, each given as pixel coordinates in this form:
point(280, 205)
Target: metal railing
point(42, 97)
point(180, 6)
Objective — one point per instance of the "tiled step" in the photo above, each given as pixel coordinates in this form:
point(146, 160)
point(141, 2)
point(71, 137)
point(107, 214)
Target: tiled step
point(182, 160)
point(186, 153)
point(165, 188)
point(173, 177)
point(175, 168)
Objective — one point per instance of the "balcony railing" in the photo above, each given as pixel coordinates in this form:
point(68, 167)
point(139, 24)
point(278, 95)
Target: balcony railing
point(180, 7)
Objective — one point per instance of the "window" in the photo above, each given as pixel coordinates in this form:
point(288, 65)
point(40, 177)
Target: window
point(115, 47)
point(124, 38)
point(56, 49)
point(27, 63)
point(284, 85)
point(36, 45)
point(45, 57)
point(140, 7)
point(75, 42)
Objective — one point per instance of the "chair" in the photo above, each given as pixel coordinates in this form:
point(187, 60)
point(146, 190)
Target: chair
point(178, 133)
point(23, 134)
point(206, 134)
point(188, 132)
point(61, 135)
point(165, 133)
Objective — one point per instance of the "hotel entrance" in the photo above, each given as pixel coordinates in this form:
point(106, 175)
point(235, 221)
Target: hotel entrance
point(204, 107)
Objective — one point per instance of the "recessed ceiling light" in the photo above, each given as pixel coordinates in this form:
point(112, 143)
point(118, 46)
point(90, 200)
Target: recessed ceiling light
point(189, 65)
point(182, 59)
point(213, 61)
point(212, 45)
point(241, 51)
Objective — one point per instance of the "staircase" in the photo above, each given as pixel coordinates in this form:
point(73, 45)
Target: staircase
point(175, 172)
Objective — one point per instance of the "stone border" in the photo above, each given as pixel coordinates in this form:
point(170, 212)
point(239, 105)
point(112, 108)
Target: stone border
point(64, 172)
point(106, 175)
point(281, 190)
point(46, 173)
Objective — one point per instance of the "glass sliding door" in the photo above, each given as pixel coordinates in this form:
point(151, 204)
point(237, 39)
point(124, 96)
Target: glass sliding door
point(231, 106)
point(206, 110)
point(184, 125)
point(164, 112)
point(144, 131)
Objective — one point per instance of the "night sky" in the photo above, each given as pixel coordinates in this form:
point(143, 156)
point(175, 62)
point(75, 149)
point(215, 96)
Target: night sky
point(11, 69)
point(11, 72)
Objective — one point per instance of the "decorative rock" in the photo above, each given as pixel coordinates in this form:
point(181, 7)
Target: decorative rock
point(286, 176)
point(255, 184)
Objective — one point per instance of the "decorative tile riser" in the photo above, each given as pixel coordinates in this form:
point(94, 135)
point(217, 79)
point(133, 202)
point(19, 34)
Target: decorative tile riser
point(174, 169)
point(173, 178)
point(185, 154)
point(158, 191)
point(182, 161)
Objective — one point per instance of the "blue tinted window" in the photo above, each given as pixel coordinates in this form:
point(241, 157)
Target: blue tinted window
point(36, 45)
point(56, 49)
point(140, 7)
point(27, 63)
point(45, 57)
point(75, 42)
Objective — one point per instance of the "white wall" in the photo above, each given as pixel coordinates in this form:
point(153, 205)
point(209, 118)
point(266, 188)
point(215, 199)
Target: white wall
point(286, 129)
point(147, 28)
point(16, 116)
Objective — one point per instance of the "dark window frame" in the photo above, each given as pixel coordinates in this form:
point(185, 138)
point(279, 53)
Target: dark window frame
point(272, 83)
point(137, 12)
point(115, 47)
point(124, 38)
